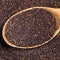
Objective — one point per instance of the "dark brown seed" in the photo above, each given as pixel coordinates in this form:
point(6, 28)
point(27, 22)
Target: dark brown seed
point(50, 51)
point(31, 27)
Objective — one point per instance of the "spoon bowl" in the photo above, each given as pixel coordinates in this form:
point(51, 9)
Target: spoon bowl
point(54, 11)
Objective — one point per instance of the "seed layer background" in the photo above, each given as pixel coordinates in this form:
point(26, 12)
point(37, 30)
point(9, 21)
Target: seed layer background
point(50, 51)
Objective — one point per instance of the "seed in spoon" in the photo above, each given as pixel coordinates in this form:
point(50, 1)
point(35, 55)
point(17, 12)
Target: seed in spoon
point(30, 28)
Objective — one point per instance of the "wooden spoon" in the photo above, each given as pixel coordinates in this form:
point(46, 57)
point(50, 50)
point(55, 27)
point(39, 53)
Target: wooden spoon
point(54, 11)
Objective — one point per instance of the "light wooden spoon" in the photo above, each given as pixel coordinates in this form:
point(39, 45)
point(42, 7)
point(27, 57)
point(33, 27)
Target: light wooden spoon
point(54, 11)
